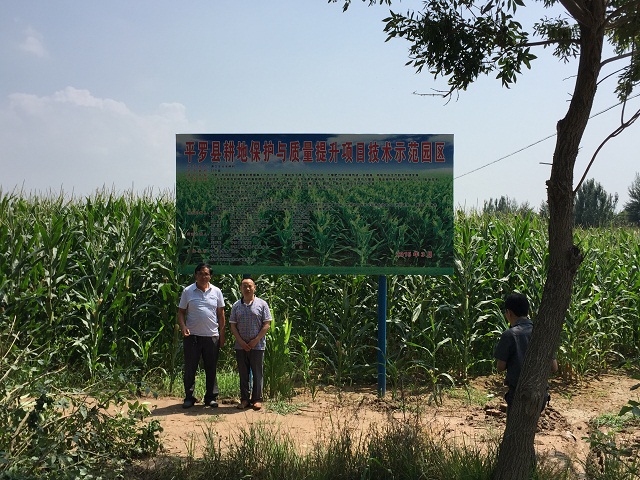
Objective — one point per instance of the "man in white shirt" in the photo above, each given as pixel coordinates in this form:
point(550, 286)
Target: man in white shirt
point(202, 322)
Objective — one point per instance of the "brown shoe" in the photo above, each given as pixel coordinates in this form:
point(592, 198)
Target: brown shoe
point(242, 405)
point(257, 406)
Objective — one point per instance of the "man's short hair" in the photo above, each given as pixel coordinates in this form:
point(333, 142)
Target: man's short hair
point(517, 303)
point(202, 265)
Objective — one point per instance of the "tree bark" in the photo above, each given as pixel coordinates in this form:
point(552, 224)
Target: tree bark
point(517, 456)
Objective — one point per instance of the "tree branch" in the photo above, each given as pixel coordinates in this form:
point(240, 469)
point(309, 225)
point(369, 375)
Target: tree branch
point(577, 10)
point(616, 58)
point(546, 43)
point(610, 75)
point(613, 134)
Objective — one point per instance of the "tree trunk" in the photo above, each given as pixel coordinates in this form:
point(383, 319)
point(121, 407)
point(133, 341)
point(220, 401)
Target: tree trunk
point(517, 456)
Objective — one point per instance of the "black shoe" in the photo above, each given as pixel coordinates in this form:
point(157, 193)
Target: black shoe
point(211, 403)
point(189, 402)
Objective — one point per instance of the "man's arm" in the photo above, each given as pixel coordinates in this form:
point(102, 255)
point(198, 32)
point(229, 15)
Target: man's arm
point(222, 323)
point(182, 312)
point(263, 331)
point(503, 350)
point(233, 326)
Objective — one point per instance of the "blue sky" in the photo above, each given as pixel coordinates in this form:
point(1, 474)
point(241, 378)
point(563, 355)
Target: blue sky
point(93, 94)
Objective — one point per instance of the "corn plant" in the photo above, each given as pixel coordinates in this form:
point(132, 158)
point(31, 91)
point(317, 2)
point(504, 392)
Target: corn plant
point(594, 330)
point(307, 365)
point(429, 343)
point(366, 245)
point(323, 236)
point(278, 368)
point(346, 340)
point(469, 294)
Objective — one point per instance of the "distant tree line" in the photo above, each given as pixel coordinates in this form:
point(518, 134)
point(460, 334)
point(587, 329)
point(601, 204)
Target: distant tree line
point(593, 206)
point(632, 207)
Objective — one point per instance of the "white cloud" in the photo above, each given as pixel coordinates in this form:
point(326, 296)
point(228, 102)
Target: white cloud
point(78, 142)
point(83, 98)
point(33, 43)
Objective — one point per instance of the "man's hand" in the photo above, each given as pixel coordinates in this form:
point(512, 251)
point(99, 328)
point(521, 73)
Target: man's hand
point(501, 365)
point(182, 321)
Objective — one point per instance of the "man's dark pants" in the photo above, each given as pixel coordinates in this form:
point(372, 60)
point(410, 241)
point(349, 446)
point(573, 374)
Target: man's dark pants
point(251, 361)
point(508, 397)
point(207, 348)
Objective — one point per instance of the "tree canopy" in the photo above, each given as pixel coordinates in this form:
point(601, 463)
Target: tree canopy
point(593, 206)
point(506, 205)
point(462, 39)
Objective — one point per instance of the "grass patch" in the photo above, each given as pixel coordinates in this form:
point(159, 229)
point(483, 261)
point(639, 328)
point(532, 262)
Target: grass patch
point(284, 407)
point(395, 450)
point(614, 421)
point(213, 419)
point(228, 384)
point(470, 395)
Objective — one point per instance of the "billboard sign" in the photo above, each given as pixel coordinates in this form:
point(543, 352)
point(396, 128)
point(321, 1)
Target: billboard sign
point(316, 203)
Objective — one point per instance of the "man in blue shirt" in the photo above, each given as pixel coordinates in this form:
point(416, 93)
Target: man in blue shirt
point(249, 322)
point(514, 341)
point(202, 321)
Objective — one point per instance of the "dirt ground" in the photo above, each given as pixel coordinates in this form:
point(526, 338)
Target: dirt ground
point(561, 432)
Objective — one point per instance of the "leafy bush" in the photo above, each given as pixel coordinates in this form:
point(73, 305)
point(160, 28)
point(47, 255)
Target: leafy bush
point(48, 433)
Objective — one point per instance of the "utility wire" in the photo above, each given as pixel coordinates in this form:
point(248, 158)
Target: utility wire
point(536, 143)
point(506, 156)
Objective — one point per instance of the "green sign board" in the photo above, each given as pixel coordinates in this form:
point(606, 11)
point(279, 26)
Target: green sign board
point(315, 203)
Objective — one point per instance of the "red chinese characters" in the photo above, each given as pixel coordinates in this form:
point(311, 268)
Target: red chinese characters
point(308, 151)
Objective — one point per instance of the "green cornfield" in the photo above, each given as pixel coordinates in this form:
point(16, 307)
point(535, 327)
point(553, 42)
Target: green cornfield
point(93, 285)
